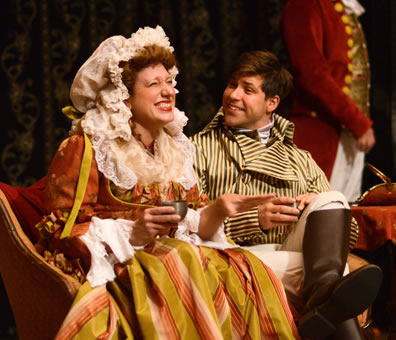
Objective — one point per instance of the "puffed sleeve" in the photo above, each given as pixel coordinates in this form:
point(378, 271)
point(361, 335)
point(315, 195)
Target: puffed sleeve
point(70, 254)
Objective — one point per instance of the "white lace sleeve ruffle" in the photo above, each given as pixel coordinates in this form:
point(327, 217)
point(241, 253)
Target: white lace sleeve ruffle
point(115, 234)
point(188, 228)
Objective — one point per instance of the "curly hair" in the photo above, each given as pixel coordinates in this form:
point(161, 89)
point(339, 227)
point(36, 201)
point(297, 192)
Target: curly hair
point(149, 55)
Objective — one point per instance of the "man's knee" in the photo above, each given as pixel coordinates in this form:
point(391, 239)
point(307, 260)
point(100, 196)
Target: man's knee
point(328, 200)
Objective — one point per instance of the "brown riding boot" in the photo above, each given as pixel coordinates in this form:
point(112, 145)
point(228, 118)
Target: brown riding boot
point(330, 298)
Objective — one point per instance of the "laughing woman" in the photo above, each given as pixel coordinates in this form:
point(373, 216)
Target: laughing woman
point(146, 272)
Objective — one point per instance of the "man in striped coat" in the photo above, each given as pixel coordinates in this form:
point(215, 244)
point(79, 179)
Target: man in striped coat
point(248, 149)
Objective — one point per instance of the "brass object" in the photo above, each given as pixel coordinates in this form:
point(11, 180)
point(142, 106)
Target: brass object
point(380, 194)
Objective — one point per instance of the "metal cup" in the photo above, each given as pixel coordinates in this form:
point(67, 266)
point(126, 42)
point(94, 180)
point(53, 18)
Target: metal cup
point(179, 205)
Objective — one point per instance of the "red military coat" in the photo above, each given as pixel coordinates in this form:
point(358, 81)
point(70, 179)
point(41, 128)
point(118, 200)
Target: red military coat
point(318, 39)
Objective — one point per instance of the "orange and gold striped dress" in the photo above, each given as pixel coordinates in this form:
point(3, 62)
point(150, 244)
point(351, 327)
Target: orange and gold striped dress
point(170, 289)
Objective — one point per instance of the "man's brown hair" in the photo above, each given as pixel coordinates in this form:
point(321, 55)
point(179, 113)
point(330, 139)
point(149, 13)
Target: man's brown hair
point(276, 79)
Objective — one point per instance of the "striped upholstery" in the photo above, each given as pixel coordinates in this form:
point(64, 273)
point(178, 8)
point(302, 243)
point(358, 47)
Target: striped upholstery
point(228, 162)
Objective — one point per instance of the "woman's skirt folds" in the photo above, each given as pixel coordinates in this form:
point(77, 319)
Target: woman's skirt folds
point(175, 290)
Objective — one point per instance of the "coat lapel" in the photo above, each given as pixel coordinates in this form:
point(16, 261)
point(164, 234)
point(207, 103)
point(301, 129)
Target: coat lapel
point(272, 159)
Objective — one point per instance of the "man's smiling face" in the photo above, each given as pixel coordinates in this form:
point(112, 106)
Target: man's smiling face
point(245, 104)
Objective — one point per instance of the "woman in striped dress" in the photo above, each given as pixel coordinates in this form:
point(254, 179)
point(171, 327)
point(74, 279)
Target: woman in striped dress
point(145, 272)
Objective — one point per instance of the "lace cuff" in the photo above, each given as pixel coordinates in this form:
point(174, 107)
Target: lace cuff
point(188, 228)
point(115, 235)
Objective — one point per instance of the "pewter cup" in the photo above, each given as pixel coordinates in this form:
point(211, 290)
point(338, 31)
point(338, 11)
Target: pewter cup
point(179, 205)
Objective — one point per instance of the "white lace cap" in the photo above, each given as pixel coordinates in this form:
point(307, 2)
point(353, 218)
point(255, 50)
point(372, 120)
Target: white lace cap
point(99, 92)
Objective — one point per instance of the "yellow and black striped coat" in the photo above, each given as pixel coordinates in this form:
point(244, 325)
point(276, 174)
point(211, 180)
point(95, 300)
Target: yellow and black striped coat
point(230, 162)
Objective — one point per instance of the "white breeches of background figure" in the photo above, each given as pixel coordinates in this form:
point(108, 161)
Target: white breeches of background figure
point(286, 260)
point(347, 174)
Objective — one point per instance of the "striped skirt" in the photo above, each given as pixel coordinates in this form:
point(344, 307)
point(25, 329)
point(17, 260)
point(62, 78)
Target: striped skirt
point(175, 290)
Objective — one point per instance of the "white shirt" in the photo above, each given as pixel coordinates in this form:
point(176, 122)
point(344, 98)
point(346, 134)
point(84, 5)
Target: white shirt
point(264, 132)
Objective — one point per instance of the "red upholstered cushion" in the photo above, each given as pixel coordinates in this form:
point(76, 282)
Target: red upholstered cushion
point(28, 205)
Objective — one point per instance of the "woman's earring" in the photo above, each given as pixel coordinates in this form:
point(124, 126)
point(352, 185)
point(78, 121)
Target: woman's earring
point(131, 124)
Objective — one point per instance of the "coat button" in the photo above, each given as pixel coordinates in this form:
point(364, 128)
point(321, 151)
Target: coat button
point(348, 79)
point(348, 29)
point(345, 19)
point(338, 7)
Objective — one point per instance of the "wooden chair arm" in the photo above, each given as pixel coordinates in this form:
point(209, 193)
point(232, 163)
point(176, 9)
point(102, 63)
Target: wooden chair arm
point(40, 294)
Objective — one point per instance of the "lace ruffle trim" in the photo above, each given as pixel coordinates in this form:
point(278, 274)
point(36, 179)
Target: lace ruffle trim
point(188, 228)
point(108, 243)
point(115, 235)
point(125, 177)
point(111, 168)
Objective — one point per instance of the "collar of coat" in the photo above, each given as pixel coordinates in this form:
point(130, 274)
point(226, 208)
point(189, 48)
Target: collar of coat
point(273, 159)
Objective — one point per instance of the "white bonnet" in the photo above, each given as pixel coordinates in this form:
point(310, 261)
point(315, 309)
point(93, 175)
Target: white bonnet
point(98, 90)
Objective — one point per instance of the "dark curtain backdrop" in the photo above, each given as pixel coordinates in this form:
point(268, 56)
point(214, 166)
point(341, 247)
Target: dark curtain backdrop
point(44, 42)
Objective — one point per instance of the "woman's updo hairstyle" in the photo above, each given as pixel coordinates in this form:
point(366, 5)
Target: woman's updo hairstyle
point(149, 55)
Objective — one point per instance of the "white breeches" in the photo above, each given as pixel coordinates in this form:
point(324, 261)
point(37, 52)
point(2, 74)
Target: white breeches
point(286, 260)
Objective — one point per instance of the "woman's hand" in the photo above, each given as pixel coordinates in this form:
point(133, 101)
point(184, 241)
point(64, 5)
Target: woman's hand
point(279, 211)
point(224, 206)
point(153, 222)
